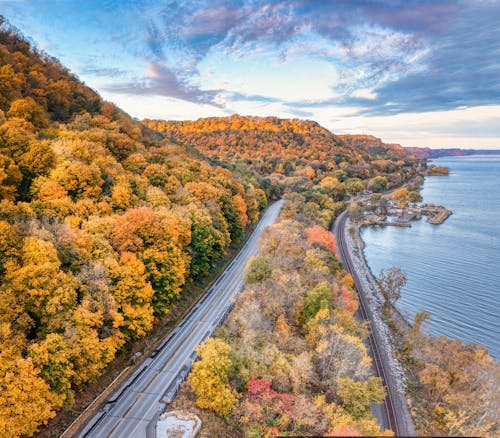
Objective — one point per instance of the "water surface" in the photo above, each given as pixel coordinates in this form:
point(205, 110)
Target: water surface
point(453, 269)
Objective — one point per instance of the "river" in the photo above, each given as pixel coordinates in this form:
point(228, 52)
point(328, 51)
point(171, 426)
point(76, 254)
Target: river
point(453, 269)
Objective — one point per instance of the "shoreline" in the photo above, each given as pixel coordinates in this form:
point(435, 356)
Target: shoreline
point(374, 300)
point(393, 372)
point(360, 244)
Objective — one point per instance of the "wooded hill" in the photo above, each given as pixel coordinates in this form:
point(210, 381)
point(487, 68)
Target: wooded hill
point(101, 225)
point(290, 152)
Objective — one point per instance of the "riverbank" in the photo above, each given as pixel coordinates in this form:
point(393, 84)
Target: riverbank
point(382, 342)
point(376, 301)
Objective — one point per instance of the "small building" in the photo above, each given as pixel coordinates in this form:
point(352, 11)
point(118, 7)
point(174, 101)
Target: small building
point(177, 424)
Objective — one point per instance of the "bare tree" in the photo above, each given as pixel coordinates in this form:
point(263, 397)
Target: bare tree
point(390, 282)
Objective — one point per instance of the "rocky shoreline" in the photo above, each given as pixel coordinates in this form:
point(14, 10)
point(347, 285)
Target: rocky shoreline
point(375, 301)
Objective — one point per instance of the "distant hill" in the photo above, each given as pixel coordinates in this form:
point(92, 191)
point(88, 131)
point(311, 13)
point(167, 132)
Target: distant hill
point(374, 146)
point(454, 152)
point(289, 148)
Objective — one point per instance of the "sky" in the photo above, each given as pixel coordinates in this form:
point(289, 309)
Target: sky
point(418, 73)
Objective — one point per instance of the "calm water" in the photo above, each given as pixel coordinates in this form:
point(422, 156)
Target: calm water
point(453, 269)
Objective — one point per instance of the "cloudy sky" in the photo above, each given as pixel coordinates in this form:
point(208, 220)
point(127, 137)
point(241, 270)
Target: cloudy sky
point(420, 73)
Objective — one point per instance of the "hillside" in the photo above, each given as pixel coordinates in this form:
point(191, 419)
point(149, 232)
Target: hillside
point(374, 146)
point(101, 226)
point(290, 152)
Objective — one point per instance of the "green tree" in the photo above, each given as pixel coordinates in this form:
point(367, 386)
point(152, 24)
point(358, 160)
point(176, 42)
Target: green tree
point(205, 244)
point(320, 297)
point(333, 187)
point(258, 269)
point(377, 184)
point(354, 185)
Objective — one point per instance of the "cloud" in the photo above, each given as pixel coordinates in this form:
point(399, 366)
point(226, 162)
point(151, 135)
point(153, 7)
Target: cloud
point(110, 72)
point(462, 68)
point(163, 82)
point(235, 96)
point(356, 35)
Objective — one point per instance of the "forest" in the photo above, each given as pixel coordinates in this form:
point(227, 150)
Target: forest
point(290, 358)
point(101, 225)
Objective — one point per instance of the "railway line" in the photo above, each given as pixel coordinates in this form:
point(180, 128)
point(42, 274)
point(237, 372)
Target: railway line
point(394, 414)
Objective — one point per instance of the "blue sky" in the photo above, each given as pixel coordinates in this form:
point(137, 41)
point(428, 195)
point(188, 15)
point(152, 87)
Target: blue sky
point(421, 73)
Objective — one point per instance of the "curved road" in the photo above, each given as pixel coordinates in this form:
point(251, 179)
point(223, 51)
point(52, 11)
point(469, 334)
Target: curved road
point(131, 411)
point(393, 413)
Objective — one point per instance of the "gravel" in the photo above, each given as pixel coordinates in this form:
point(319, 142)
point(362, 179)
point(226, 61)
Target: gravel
point(381, 332)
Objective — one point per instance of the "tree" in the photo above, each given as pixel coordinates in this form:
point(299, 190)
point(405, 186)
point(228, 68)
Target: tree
point(354, 185)
point(167, 271)
point(121, 194)
point(264, 408)
point(10, 86)
point(80, 180)
point(10, 177)
point(206, 243)
point(26, 401)
point(325, 238)
point(333, 187)
point(415, 196)
point(460, 387)
point(133, 294)
point(209, 378)
point(355, 211)
point(390, 282)
point(415, 337)
point(377, 184)
point(241, 208)
point(320, 297)
point(357, 396)
point(52, 357)
point(402, 196)
point(258, 269)
point(43, 292)
point(29, 110)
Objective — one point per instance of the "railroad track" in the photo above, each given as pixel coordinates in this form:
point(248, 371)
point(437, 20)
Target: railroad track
point(390, 413)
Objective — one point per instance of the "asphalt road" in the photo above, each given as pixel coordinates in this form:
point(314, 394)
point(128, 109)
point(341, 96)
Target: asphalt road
point(131, 411)
point(393, 413)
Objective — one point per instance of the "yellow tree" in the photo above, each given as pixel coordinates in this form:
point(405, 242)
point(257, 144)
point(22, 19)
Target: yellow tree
point(209, 378)
point(133, 294)
point(42, 290)
point(52, 357)
point(29, 110)
point(122, 196)
point(26, 401)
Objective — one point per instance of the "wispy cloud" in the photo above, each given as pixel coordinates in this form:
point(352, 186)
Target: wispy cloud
point(163, 82)
point(108, 72)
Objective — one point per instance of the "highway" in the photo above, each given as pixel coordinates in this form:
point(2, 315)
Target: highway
point(393, 413)
point(131, 411)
